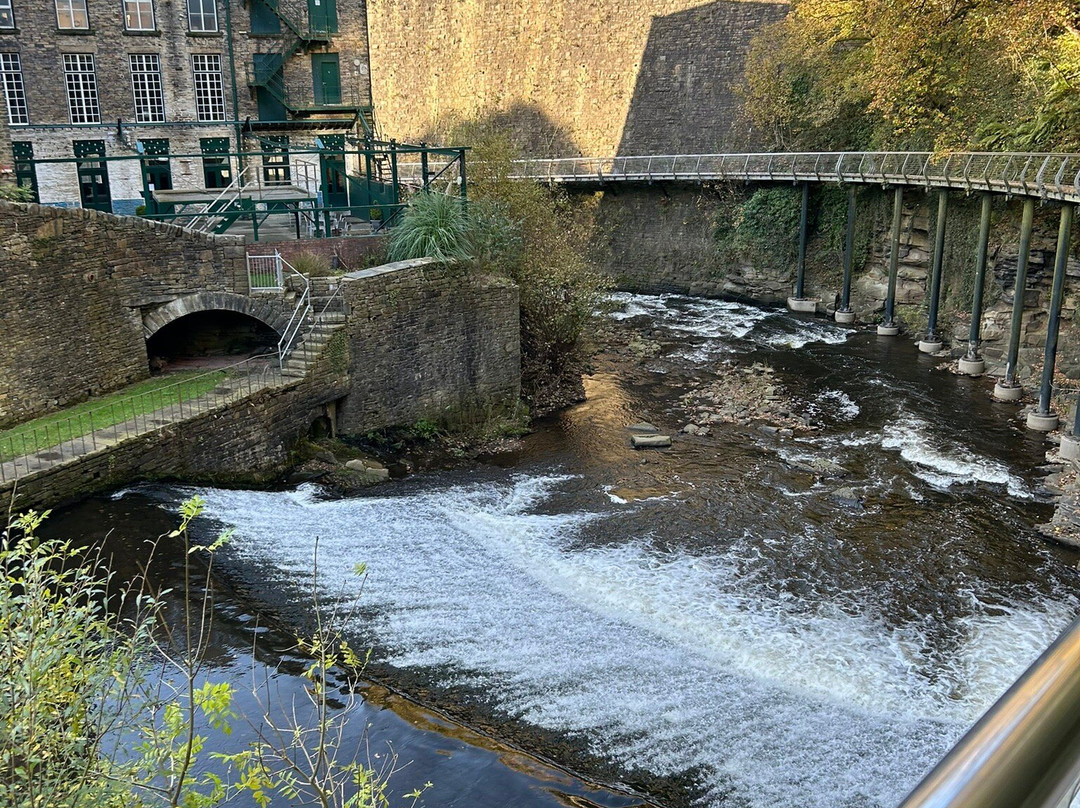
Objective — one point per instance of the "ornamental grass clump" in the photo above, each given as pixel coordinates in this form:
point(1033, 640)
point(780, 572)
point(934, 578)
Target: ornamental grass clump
point(434, 226)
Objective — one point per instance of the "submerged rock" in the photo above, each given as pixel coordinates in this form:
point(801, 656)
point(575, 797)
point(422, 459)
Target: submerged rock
point(643, 428)
point(650, 441)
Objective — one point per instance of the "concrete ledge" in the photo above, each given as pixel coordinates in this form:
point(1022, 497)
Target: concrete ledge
point(972, 367)
point(394, 266)
point(1042, 422)
point(803, 305)
point(1008, 392)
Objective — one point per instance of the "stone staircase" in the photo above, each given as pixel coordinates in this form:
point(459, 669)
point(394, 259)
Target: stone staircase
point(328, 316)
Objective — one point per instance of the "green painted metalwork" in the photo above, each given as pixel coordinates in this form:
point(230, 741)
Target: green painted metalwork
point(25, 172)
point(93, 175)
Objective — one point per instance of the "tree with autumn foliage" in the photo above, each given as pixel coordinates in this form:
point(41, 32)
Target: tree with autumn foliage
point(918, 74)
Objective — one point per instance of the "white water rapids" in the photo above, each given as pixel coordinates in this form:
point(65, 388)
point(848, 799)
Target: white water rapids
point(667, 662)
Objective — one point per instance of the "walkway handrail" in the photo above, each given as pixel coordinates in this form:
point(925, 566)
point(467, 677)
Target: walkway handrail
point(82, 433)
point(299, 317)
point(1049, 175)
point(1025, 751)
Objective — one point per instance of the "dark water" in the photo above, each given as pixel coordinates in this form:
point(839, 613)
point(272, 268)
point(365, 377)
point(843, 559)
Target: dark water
point(719, 610)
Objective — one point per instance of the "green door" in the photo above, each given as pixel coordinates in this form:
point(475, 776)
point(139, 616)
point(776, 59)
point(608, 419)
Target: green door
point(270, 86)
point(263, 18)
point(93, 175)
point(25, 173)
point(334, 183)
point(326, 73)
point(322, 16)
point(157, 173)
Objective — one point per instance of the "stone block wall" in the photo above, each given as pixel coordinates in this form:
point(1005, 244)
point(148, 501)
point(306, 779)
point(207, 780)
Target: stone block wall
point(75, 286)
point(571, 76)
point(426, 340)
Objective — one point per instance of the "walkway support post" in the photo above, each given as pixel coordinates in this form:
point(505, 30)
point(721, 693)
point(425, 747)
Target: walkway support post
point(1008, 389)
point(889, 328)
point(972, 363)
point(1042, 419)
point(932, 342)
point(844, 314)
point(800, 302)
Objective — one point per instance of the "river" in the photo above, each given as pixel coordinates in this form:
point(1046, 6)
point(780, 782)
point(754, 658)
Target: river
point(747, 619)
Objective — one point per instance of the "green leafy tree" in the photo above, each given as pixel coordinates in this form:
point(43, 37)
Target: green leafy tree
point(927, 74)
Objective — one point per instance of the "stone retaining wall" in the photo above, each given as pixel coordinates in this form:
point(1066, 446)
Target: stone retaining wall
point(427, 342)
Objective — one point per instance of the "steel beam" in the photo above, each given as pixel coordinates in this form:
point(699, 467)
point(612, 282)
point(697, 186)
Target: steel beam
point(804, 216)
point(980, 279)
point(1018, 291)
point(1061, 261)
point(894, 255)
point(939, 255)
point(849, 248)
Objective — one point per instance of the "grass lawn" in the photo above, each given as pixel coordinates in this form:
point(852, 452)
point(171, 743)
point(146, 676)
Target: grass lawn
point(115, 408)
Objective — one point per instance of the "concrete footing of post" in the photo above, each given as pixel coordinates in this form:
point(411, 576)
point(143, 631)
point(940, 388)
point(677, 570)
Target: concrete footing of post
point(1042, 422)
point(803, 305)
point(930, 345)
point(1069, 448)
point(972, 367)
point(844, 317)
point(884, 330)
point(1008, 392)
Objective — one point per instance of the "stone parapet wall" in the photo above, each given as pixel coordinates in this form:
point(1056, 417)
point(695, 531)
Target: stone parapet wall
point(427, 340)
point(75, 285)
point(568, 77)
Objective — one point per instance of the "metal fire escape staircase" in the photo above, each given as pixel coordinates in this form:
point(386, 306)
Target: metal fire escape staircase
point(299, 34)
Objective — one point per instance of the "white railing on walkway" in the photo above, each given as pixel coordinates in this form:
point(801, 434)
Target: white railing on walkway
point(1049, 176)
point(29, 449)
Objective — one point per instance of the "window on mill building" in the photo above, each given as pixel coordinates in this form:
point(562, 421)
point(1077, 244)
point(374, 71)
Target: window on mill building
point(139, 15)
point(71, 14)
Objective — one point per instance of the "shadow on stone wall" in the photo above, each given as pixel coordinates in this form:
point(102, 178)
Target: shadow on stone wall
point(686, 99)
point(528, 126)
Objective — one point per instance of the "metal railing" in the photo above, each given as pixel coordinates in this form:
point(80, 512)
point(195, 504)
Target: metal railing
point(26, 450)
point(300, 316)
point(265, 273)
point(1025, 751)
point(1049, 176)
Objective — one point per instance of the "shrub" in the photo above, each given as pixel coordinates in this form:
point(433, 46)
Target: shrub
point(434, 225)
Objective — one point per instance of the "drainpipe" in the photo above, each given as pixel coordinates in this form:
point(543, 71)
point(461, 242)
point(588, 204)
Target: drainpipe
point(235, 91)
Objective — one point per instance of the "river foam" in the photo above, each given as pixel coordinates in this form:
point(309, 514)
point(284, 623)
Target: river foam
point(659, 659)
point(710, 324)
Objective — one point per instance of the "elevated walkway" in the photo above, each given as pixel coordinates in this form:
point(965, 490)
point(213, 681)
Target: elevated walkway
point(1046, 176)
